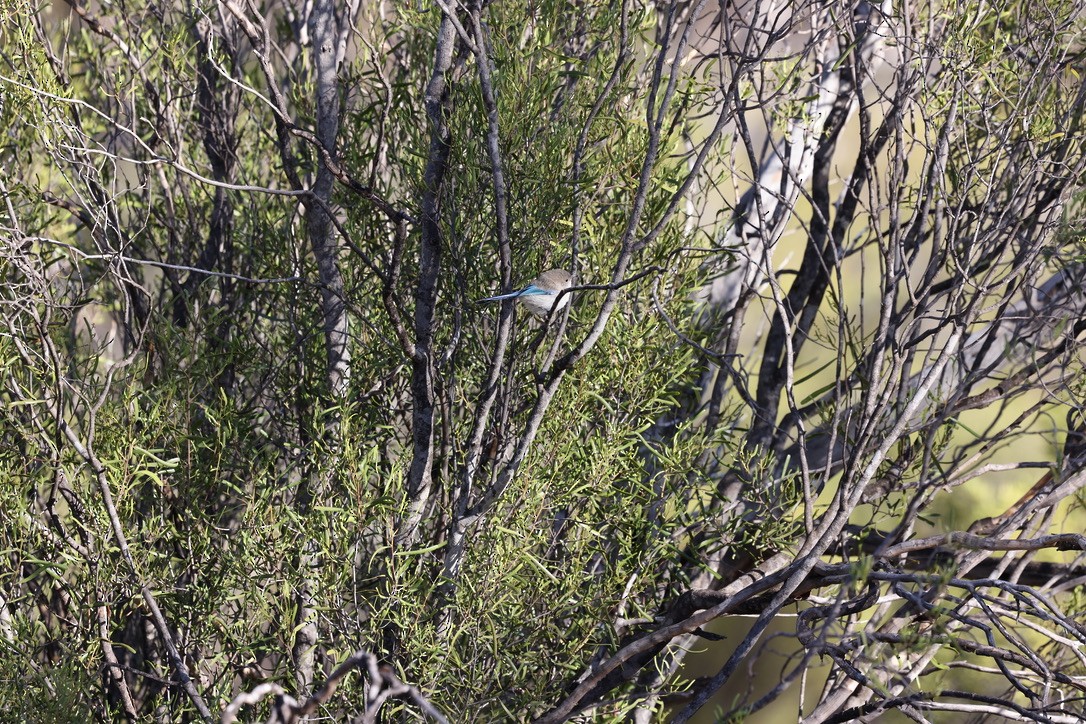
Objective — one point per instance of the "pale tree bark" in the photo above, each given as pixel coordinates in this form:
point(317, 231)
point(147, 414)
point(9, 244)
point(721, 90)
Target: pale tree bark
point(324, 35)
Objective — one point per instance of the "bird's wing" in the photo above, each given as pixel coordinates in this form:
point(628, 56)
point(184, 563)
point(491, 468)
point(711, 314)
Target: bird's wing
point(533, 291)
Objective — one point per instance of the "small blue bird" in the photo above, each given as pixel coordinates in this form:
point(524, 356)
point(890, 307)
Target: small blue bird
point(539, 296)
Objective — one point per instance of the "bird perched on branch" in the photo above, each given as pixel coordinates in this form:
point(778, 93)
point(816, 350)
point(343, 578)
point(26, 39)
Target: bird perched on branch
point(542, 294)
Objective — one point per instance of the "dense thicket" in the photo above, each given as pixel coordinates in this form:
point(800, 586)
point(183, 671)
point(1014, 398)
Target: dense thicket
point(252, 421)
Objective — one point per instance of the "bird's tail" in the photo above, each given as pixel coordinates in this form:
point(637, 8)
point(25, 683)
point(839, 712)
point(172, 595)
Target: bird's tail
point(500, 297)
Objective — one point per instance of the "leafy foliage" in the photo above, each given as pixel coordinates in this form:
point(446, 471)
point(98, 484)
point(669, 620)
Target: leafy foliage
point(177, 438)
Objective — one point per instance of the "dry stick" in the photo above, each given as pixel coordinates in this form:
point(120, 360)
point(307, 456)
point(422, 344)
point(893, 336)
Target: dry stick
point(970, 560)
point(767, 205)
point(648, 643)
point(457, 529)
point(621, 58)
point(154, 158)
point(119, 257)
point(965, 563)
point(259, 37)
point(828, 531)
point(323, 27)
point(86, 551)
point(101, 478)
point(420, 476)
point(628, 247)
point(217, 114)
point(115, 674)
point(383, 684)
point(122, 543)
point(334, 308)
point(285, 127)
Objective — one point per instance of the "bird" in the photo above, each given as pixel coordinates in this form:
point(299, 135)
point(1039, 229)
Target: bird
point(541, 295)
